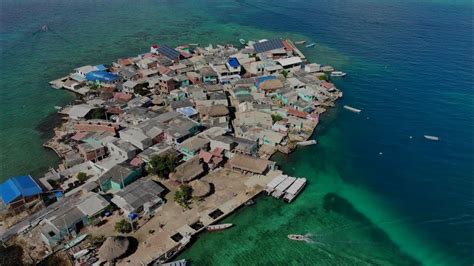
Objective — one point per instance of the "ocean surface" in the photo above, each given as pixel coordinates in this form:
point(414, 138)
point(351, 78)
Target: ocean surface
point(378, 192)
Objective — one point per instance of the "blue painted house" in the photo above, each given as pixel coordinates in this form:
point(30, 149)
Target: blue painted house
point(17, 191)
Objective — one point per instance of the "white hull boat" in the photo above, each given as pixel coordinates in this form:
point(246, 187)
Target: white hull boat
point(352, 109)
point(428, 137)
point(338, 74)
point(218, 227)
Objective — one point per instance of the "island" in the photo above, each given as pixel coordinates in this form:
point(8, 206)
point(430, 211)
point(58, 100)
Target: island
point(161, 146)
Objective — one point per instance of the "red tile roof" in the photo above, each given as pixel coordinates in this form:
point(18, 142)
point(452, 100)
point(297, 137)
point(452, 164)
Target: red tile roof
point(297, 113)
point(120, 96)
point(136, 161)
point(205, 156)
point(287, 46)
point(327, 85)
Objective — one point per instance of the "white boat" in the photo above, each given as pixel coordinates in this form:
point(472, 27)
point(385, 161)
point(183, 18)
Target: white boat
point(307, 143)
point(274, 183)
point(298, 238)
point(352, 109)
point(300, 42)
point(292, 192)
point(218, 227)
point(306, 238)
point(242, 41)
point(263, 40)
point(310, 45)
point(338, 74)
point(58, 107)
point(283, 186)
point(182, 262)
point(431, 137)
point(194, 44)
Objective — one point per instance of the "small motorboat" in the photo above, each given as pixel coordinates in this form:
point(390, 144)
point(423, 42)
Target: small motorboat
point(300, 42)
point(263, 40)
point(338, 74)
point(307, 143)
point(298, 238)
point(58, 107)
point(428, 137)
point(218, 227)
point(249, 202)
point(310, 45)
point(242, 41)
point(194, 44)
point(352, 109)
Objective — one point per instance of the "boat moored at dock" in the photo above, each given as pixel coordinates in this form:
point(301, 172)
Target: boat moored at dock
point(283, 186)
point(307, 143)
point(218, 227)
point(274, 183)
point(338, 74)
point(292, 192)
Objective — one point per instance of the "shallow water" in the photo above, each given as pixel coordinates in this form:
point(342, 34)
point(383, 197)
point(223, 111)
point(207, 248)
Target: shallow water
point(409, 66)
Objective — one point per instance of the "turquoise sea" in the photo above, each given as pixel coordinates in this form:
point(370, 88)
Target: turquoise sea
point(378, 192)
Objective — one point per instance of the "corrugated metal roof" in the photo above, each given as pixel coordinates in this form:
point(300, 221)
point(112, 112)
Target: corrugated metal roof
point(268, 45)
point(18, 186)
point(168, 51)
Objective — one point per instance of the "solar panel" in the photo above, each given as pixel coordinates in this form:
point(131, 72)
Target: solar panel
point(169, 52)
point(268, 45)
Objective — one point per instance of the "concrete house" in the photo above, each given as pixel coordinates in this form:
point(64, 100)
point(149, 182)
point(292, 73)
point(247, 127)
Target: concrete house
point(69, 215)
point(122, 148)
point(143, 196)
point(119, 177)
point(191, 147)
point(136, 137)
point(209, 76)
point(91, 151)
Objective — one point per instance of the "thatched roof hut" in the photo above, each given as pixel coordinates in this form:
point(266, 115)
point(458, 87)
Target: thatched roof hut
point(113, 248)
point(189, 170)
point(200, 188)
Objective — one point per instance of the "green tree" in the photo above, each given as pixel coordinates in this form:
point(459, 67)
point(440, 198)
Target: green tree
point(162, 165)
point(94, 86)
point(82, 177)
point(183, 196)
point(276, 118)
point(323, 77)
point(123, 226)
point(284, 73)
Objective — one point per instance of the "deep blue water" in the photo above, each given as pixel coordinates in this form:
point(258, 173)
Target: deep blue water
point(409, 65)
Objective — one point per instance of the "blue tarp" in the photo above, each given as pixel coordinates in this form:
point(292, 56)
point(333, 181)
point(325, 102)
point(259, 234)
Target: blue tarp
point(233, 62)
point(187, 111)
point(102, 76)
point(19, 186)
